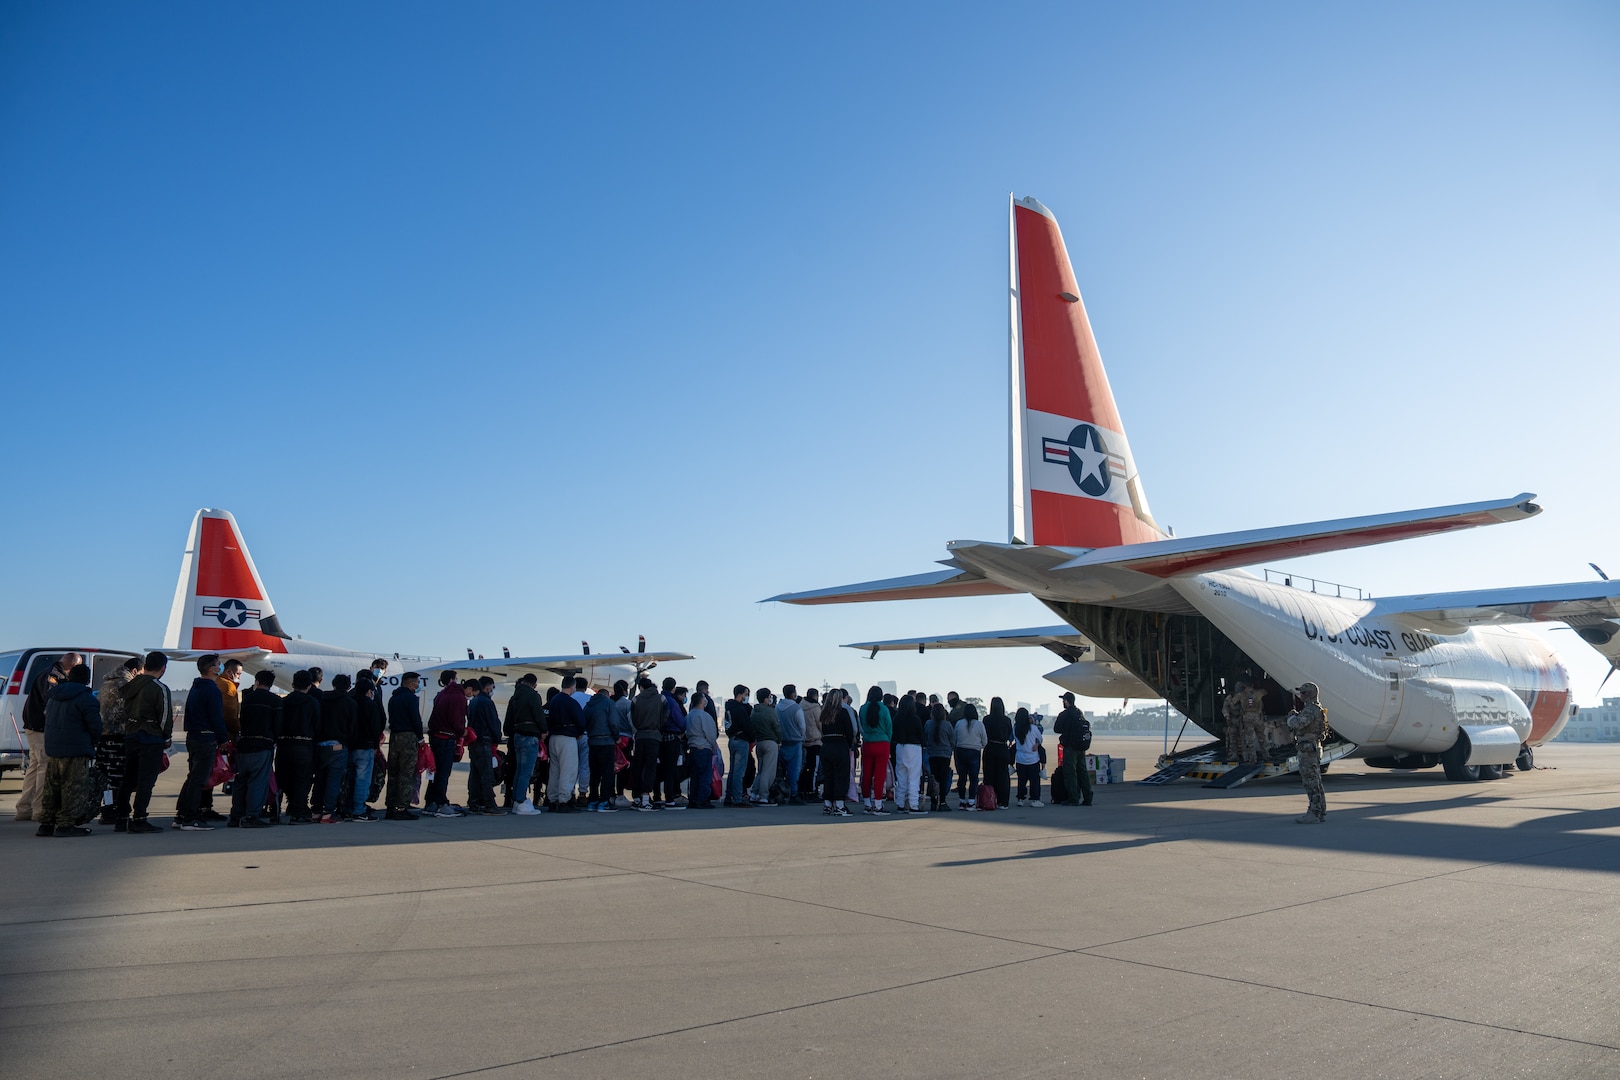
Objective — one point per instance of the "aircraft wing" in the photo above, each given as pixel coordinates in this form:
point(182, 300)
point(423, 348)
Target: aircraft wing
point(1064, 640)
point(514, 667)
point(1590, 608)
point(1224, 551)
point(937, 584)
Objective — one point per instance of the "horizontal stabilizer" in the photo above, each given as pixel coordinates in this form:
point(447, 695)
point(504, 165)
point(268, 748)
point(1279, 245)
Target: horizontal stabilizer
point(1061, 639)
point(1225, 551)
point(939, 583)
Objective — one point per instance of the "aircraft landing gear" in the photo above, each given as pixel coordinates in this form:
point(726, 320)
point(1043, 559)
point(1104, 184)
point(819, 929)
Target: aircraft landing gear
point(1453, 761)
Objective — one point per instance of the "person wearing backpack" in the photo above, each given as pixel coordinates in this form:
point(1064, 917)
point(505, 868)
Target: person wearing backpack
point(1074, 735)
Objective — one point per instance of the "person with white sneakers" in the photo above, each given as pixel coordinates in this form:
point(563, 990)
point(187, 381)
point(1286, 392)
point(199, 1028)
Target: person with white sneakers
point(1027, 753)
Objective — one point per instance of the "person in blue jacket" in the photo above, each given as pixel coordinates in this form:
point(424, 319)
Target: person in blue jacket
point(205, 734)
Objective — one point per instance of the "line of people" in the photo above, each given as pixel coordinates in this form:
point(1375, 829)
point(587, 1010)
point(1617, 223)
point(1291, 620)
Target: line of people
point(325, 755)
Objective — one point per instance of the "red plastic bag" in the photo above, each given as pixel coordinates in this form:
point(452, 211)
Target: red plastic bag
point(717, 789)
point(620, 762)
point(223, 771)
point(424, 760)
point(163, 766)
point(545, 754)
point(987, 797)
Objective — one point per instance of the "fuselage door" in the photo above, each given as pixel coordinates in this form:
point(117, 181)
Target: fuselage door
point(1392, 674)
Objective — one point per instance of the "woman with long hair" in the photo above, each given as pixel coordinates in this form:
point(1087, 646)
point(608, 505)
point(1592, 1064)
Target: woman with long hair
point(939, 743)
point(998, 738)
point(876, 727)
point(837, 745)
point(1027, 758)
point(969, 745)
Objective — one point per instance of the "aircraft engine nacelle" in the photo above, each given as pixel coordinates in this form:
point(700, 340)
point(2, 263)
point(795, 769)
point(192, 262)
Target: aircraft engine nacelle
point(1435, 711)
point(1100, 679)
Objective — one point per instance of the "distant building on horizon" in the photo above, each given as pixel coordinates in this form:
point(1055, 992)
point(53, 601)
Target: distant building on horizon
point(1595, 723)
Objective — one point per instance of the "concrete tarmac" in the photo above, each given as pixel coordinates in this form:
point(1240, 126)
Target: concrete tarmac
point(1428, 929)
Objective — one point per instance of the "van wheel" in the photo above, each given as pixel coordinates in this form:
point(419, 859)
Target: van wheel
point(1490, 772)
point(1527, 760)
point(1453, 762)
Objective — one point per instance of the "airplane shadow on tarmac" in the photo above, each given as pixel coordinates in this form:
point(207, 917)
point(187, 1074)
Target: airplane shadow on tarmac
point(1367, 815)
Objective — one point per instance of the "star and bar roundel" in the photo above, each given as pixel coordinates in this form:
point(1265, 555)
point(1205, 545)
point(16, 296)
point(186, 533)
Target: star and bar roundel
point(230, 613)
point(1086, 454)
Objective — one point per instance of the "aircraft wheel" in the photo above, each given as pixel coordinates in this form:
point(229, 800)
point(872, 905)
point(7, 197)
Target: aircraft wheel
point(1490, 772)
point(1453, 762)
point(1527, 760)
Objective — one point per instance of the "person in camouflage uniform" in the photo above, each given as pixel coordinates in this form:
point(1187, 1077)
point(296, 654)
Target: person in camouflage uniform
point(1309, 726)
point(110, 747)
point(1252, 709)
point(1233, 711)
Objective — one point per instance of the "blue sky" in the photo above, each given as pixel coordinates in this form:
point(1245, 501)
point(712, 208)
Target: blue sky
point(516, 324)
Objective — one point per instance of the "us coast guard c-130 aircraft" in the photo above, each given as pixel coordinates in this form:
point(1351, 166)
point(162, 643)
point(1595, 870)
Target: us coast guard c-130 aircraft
point(221, 606)
point(1446, 678)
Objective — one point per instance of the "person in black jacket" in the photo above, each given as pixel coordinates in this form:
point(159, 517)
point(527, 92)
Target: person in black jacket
point(565, 723)
point(33, 722)
point(370, 720)
point(484, 722)
point(906, 738)
point(405, 740)
point(738, 748)
point(524, 728)
point(837, 741)
point(295, 747)
point(72, 723)
point(332, 749)
point(1074, 734)
point(998, 743)
point(259, 722)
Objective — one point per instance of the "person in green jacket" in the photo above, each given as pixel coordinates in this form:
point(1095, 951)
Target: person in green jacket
point(877, 727)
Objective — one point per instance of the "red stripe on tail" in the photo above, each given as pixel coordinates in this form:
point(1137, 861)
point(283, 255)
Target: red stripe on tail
point(1073, 521)
point(222, 569)
point(1063, 371)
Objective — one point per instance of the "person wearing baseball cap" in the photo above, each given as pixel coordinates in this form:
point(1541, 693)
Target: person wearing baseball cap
point(1074, 735)
point(1309, 725)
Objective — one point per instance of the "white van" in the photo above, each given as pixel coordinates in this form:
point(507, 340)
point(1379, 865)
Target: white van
point(21, 668)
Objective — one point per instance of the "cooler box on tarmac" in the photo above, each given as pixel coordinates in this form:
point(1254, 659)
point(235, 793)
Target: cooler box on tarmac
point(1116, 770)
point(1098, 765)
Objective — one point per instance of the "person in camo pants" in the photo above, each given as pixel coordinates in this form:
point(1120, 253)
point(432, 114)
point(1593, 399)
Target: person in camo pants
point(1309, 726)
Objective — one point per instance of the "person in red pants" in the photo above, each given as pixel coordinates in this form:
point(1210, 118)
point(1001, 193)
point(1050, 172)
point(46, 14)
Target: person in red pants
point(877, 728)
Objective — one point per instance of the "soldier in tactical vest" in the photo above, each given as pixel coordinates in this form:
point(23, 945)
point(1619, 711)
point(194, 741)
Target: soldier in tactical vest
point(1232, 709)
point(1252, 710)
point(1309, 725)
